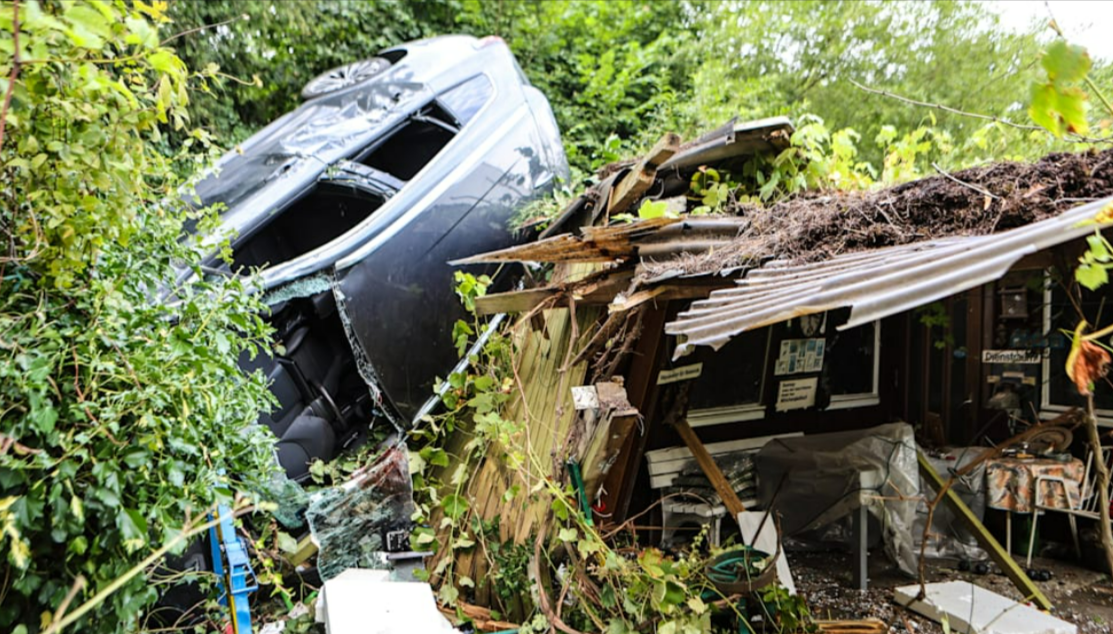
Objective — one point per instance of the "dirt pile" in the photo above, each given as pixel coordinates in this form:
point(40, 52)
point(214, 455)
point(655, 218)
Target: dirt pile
point(974, 201)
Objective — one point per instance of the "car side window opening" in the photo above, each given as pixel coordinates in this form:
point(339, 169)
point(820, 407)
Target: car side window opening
point(331, 209)
point(328, 211)
point(410, 148)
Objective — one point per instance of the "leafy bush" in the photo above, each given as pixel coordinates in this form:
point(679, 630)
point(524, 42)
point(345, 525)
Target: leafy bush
point(119, 409)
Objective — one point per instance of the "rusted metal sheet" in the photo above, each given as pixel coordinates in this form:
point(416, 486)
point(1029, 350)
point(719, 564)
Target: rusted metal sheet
point(732, 140)
point(873, 284)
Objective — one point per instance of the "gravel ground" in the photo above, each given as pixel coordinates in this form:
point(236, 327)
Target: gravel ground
point(1080, 596)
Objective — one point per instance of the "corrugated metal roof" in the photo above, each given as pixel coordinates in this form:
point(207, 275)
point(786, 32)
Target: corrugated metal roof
point(873, 284)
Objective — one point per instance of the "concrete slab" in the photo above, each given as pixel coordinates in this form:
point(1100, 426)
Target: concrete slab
point(969, 608)
point(368, 602)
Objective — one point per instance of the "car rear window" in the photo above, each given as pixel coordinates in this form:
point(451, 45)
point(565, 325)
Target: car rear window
point(466, 99)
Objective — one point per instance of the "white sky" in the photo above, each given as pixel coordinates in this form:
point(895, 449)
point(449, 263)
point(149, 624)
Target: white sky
point(1081, 20)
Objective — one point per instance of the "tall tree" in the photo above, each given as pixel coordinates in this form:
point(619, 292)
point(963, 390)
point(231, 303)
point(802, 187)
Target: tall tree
point(763, 58)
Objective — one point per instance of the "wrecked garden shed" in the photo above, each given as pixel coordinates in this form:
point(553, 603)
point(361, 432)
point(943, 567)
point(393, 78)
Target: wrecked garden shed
point(921, 323)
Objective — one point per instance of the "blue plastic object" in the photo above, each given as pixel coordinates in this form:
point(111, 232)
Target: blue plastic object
point(233, 570)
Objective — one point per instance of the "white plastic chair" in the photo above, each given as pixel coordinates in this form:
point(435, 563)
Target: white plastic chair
point(1088, 500)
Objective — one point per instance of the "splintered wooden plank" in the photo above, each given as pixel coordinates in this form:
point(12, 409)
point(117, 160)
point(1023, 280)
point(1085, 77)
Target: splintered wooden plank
point(514, 301)
point(986, 539)
point(592, 293)
point(640, 178)
point(539, 356)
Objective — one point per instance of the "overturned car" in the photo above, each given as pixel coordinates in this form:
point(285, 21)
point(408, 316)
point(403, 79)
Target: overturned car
point(351, 206)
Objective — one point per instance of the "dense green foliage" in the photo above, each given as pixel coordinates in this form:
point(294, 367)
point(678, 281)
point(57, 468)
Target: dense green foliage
point(796, 57)
point(633, 69)
point(118, 409)
point(268, 50)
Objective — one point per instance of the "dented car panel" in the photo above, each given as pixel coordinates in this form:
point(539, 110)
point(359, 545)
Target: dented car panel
point(400, 290)
point(350, 208)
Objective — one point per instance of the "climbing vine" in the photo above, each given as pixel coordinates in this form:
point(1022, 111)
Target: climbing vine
point(568, 570)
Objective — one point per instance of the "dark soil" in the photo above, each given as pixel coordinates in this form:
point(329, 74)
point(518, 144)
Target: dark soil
point(988, 199)
point(1080, 596)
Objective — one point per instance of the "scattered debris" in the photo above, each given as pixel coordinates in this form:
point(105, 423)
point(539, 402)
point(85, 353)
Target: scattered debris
point(357, 523)
point(368, 602)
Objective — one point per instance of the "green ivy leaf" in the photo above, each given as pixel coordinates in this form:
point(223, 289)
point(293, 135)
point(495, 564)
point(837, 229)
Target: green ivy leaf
point(1092, 276)
point(454, 506)
point(89, 27)
point(448, 594)
point(652, 209)
point(164, 61)
point(141, 32)
point(434, 456)
point(287, 543)
point(1098, 250)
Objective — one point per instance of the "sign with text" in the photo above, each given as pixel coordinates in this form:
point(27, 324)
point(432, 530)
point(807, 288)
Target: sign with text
point(683, 373)
point(796, 394)
point(1011, 356)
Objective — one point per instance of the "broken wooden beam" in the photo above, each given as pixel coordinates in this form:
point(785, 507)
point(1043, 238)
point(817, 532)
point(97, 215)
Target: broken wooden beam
point(986, 539)
point(710, 469)
point(604, 292)
point(641, 176)
point(598, 292)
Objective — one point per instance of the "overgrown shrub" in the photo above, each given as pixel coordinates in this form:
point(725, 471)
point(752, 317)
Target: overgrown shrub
point(120, 401)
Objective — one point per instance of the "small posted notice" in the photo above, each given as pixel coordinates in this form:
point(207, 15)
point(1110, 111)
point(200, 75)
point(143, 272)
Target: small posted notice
point(796, 394)
point(800, 355)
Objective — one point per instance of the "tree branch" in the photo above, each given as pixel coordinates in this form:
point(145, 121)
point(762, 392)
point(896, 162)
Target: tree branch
point(937, 106)
point(203, 27)
point(980, 190)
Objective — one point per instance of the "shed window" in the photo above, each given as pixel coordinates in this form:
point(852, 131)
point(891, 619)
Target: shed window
point(852, 363)
point(732, 378)
point(738, 382)
point(1062, 315)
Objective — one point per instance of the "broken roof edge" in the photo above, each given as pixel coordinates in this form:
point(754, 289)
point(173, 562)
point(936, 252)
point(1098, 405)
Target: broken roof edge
point(873, 288)
point(597, 244)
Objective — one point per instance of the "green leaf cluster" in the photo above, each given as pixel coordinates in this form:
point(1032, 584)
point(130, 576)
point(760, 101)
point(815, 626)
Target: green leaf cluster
point(120, 409)
point(1093, 267)
point(1059, 103)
